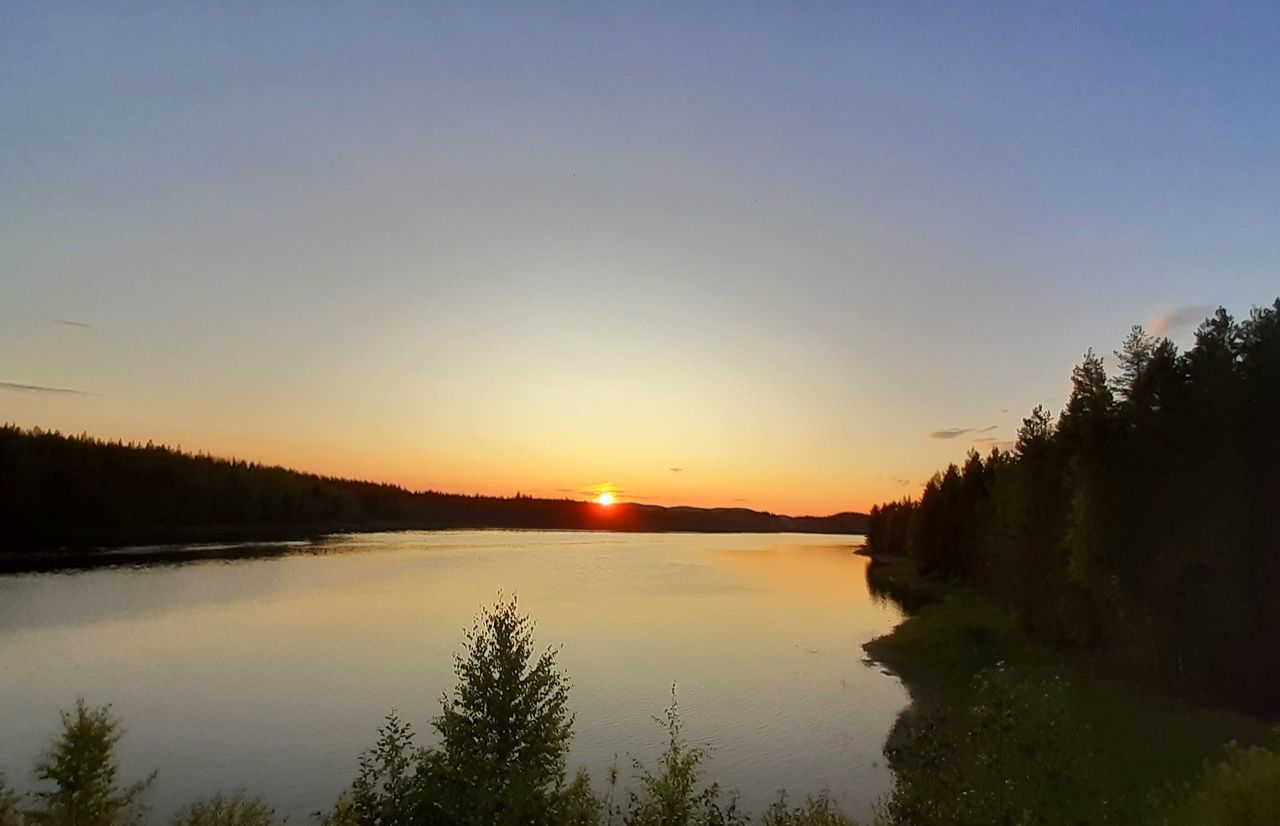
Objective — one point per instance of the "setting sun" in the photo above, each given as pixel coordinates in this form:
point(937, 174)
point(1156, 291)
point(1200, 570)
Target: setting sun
point(605, 499)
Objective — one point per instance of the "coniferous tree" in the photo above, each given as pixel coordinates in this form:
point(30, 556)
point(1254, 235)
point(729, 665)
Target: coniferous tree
point(81, 768)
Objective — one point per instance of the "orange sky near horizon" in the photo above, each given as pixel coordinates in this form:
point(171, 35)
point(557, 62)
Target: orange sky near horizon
point(807, 255)
point(573, 473)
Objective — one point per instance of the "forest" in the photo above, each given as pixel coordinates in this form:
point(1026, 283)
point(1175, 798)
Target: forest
point(60, 491)
point(1141, 527)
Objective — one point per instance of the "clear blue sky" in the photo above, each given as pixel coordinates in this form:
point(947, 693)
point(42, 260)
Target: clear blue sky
point(554, 247)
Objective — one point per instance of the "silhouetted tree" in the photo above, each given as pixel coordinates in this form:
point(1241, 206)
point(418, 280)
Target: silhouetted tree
point(1145, 522)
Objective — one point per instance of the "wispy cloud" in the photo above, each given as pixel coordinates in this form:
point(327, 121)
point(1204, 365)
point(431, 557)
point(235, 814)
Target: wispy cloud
point(15, 387)
point(1176, 319)
point(67, 323)
point(675, 469)
point(957, 432)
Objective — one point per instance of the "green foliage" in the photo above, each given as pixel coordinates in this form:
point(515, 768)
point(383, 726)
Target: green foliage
point(222, 810)
point(387, 791)
point(578, 805)
point(1001, 757)
point(1241, 790)
point(674, 794)
point(343, 813)
point(81, 767)
point(816, 811)
point(10, 804)
point(506, 729)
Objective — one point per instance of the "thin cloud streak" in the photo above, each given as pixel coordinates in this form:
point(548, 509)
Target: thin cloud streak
point(67, 323)
point(16, 387)
point(955, 432)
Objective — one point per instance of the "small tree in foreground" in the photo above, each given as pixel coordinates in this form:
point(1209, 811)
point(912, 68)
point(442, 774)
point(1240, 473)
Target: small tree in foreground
point(505, 731)
point(81, 766)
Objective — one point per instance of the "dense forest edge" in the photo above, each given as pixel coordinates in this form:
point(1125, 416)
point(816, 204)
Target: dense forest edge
point(1142, 525)
point(1091, 624)
point(73, 493)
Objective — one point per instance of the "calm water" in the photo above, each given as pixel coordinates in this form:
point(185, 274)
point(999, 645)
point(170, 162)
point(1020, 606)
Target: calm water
point(272, 675)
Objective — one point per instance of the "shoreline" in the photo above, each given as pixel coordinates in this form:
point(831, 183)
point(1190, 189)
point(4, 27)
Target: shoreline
point(237, 543)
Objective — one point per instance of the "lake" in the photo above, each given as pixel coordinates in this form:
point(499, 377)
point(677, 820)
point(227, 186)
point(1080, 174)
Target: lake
point(271, 675)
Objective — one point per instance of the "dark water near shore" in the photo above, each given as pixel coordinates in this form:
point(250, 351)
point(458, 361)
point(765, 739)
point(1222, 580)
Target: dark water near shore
point(272, 674)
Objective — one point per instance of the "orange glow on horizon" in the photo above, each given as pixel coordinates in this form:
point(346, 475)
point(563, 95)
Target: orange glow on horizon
point(606, 499)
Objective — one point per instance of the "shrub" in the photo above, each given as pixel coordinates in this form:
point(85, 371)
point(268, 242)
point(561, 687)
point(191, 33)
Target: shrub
point(387, 791)
point(816, 811)
point(675, 795)
point(220, 810)
point(1004, 756)
point(1241, 790)
point(10, 804)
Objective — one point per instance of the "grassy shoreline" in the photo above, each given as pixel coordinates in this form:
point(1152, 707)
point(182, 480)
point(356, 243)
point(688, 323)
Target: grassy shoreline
point(1086, 746)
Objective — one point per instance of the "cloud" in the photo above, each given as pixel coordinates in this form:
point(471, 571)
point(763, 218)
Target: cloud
point(66, 323)
point(987, 429)
point(39, 388)
point(1175, 319)
point(950, 433)
point(675, 469)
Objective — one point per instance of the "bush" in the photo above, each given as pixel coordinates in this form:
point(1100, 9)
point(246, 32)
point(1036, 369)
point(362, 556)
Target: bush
point(1002, 757)
point(1241, 790)
point(387, 789)
point(816, 811)
point(10, 804)
point(675, 795)
point(236, 810)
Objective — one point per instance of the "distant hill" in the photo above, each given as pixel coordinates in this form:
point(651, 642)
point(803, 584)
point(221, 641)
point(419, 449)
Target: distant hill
point(77, 492)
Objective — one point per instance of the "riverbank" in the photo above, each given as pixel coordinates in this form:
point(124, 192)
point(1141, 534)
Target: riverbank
point(1001, 724)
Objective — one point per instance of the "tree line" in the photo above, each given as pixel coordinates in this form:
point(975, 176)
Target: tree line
point(61, 491)
point(1143, 523)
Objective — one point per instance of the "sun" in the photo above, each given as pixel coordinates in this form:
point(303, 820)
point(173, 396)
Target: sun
point(605, 499)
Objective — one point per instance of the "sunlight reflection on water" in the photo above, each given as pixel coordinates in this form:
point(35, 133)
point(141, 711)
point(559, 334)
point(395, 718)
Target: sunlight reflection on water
point(272, 674)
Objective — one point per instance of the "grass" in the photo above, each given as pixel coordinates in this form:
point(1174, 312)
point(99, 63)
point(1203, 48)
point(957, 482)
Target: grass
point(1122, 742)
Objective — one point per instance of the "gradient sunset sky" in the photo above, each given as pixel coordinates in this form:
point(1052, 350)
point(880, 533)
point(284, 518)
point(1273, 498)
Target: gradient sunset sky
point(786, 256)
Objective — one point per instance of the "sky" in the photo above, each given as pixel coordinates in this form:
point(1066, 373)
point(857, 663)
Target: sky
point(792, 257)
